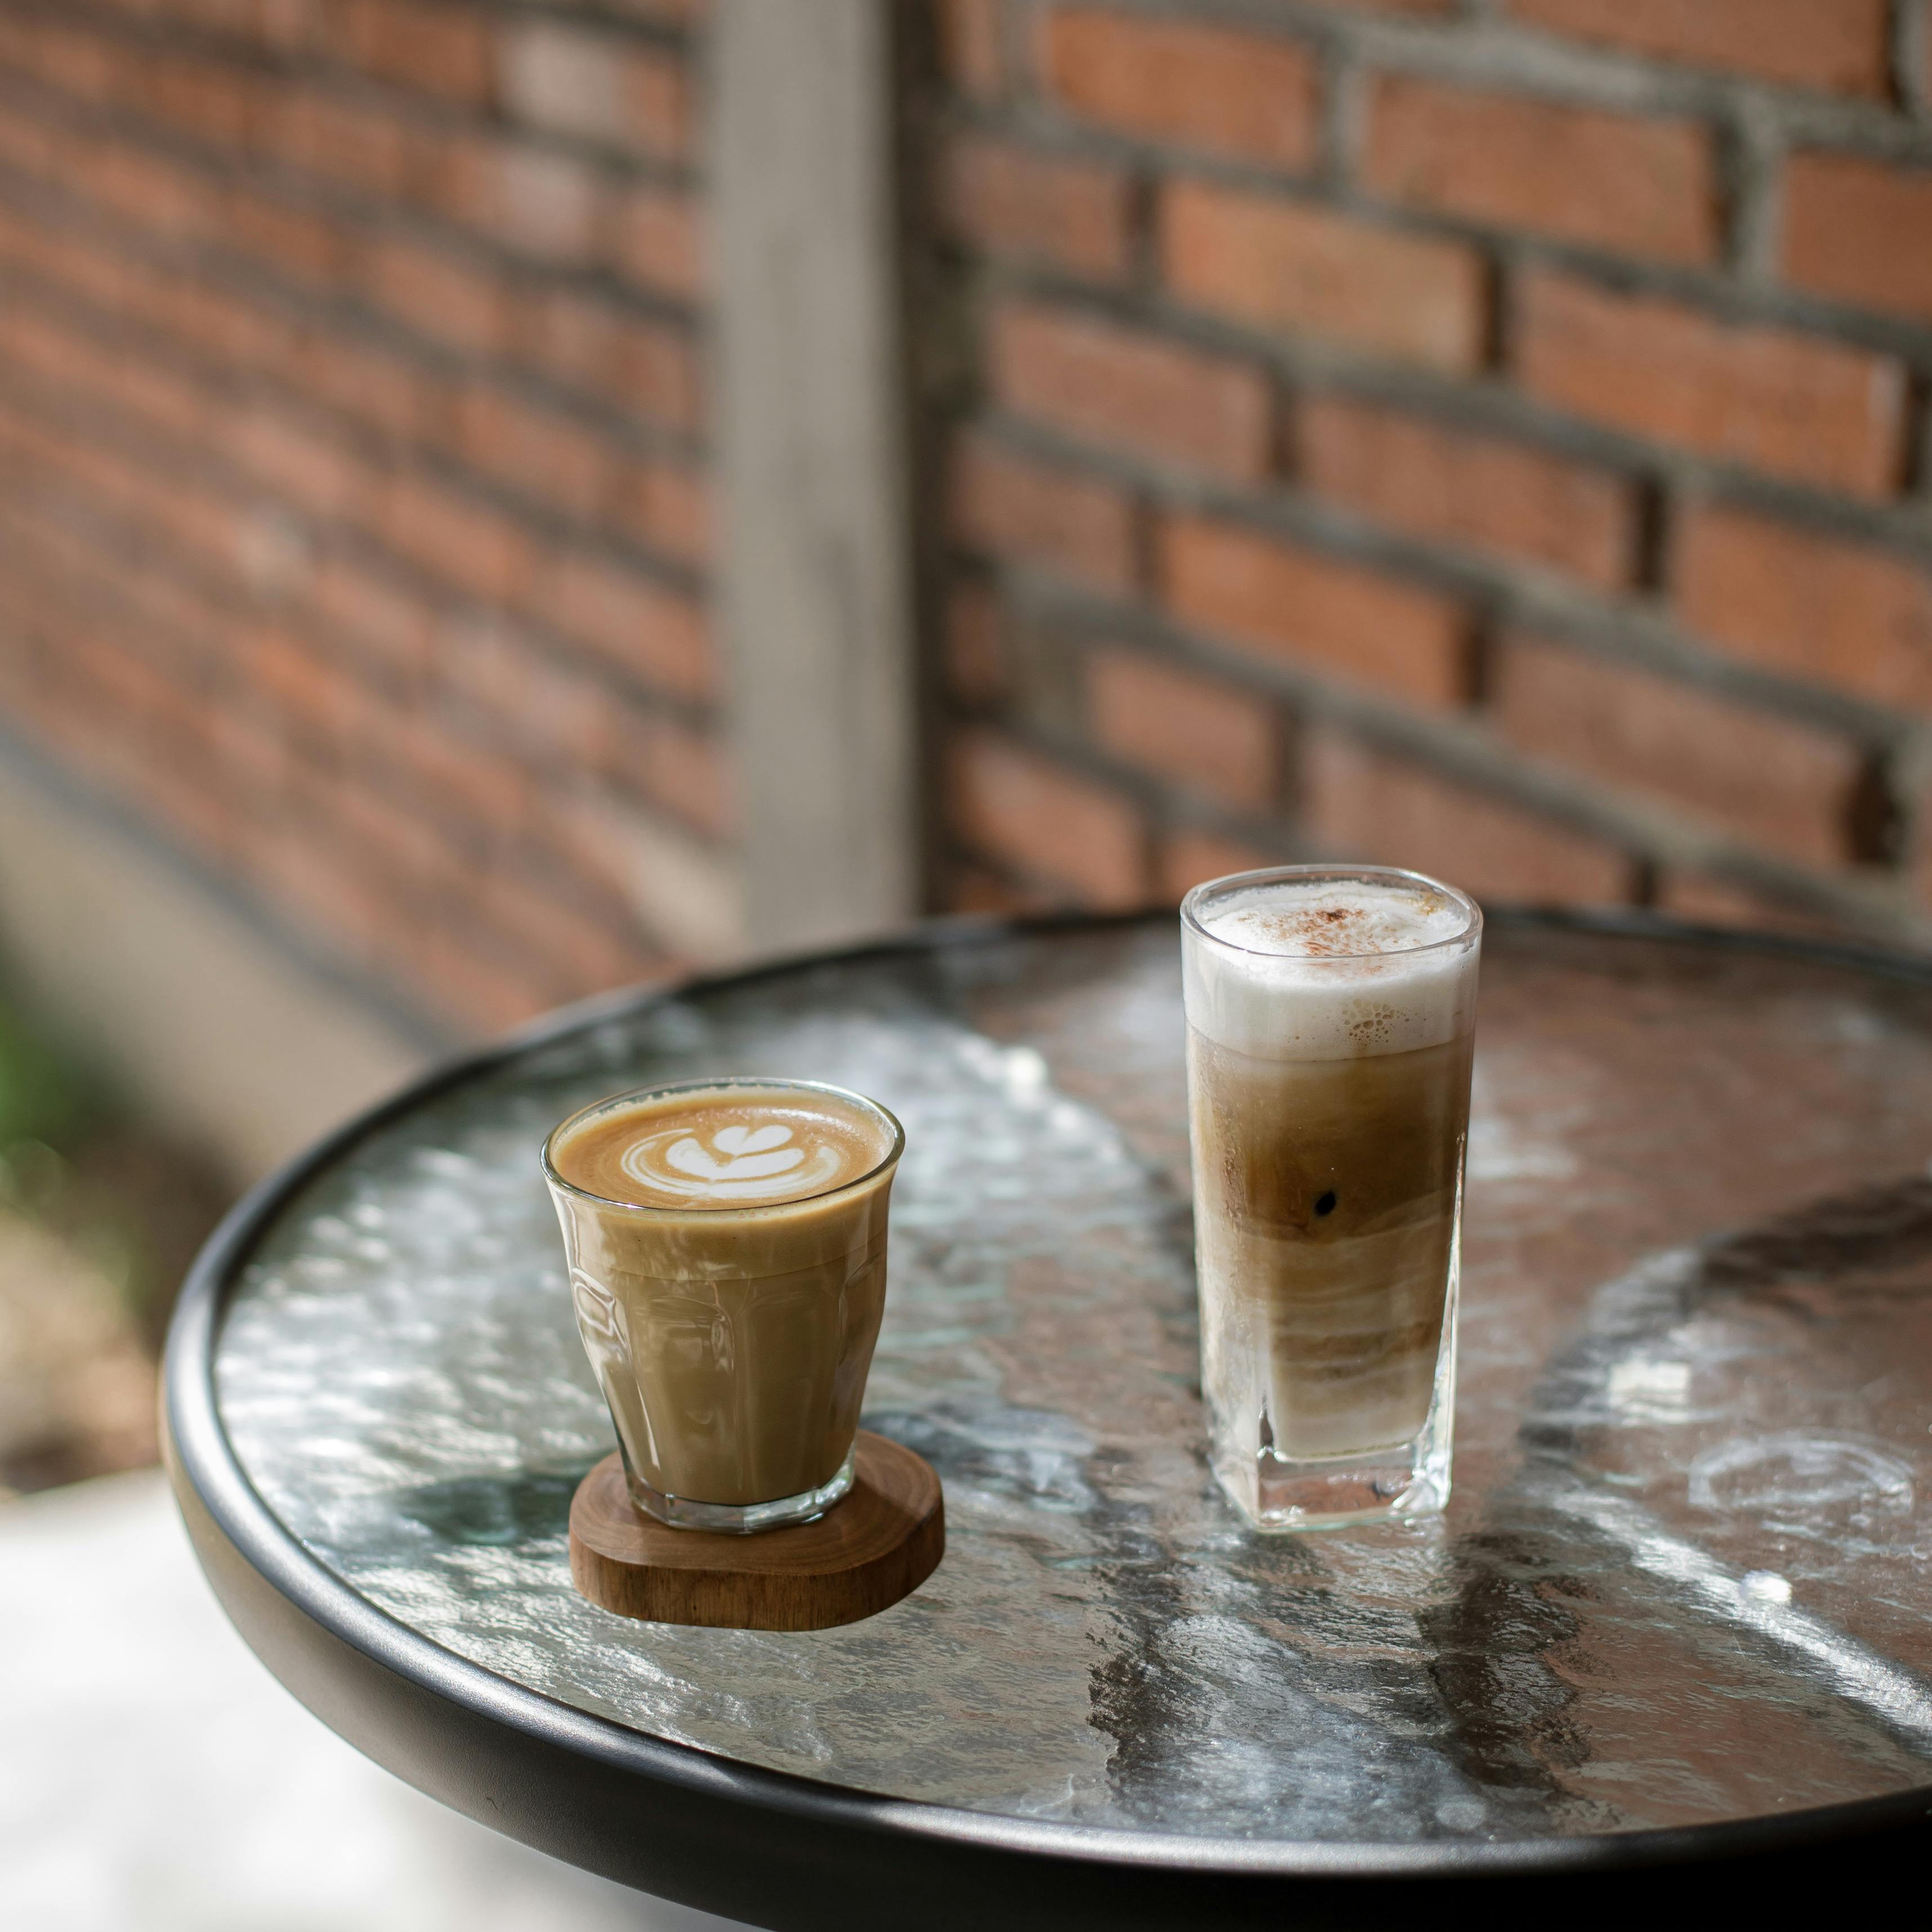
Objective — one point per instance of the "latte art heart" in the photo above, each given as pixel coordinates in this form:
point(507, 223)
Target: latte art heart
point(735, 1141)
point(740, 1161)
point(739, 1145)
point(744, 1152)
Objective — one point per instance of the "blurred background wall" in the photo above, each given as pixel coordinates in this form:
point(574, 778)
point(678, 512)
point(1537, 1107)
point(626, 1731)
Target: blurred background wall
point(355, 526)
point(1489, 434)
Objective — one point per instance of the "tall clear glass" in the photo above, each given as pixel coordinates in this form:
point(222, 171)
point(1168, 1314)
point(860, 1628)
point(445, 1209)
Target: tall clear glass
point(1331, 1016)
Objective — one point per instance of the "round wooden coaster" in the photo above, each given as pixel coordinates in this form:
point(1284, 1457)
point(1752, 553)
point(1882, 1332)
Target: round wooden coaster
point(880, 1543)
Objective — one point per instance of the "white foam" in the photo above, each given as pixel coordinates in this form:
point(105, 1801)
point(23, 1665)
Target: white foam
point(1331, 970)
point(741, 1163)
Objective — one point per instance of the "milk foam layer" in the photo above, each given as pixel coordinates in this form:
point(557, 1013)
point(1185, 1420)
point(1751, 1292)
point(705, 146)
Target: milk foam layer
point(723, 1147)
point(1326, 969)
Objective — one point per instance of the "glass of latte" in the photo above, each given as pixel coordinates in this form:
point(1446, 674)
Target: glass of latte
point(726, 1245)
point(1331, 1018)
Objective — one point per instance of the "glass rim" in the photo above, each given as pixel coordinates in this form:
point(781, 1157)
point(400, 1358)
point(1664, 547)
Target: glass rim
point(1267, 875)
point(636, 1096)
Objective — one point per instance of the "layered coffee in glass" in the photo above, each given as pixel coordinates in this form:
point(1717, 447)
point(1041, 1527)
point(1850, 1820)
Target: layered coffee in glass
point(726, 1245)
point(1330, 1028)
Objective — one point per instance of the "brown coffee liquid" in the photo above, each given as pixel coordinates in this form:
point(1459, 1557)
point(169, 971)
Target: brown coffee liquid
point(732, 1328)
point(1328, 1192)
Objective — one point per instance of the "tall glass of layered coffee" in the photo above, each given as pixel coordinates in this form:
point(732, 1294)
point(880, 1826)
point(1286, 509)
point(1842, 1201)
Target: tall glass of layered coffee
point(1330, 1025)
point(726, 1245)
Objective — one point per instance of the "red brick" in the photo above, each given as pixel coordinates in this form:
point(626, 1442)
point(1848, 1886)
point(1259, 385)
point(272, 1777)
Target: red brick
point(528, 695)
point(315, 469)
point(371, 148)
point(1010, 804)
point(1110, 385)
point(1860, 231)
point(35, 149)
point(1810, 606)
point(472, 986)
point(642, 367)
point(446, 298)
point(251, 22)
point(316, 698)
point(376, 614)
point(655, 372)
point(582, 81)
point(1190, 858)
point(1416, 474)
point(168, 201)
point(213, 104)
point(477, 550)
point(1011, 200)
point(488, 798)
point(1013, 505)
point(1767, 398)
point(100, 278)
point(684, 771)
point(1209, 736)
point(1765, 779)
point(1290, 265)
point(542, 455)
point(252, 759)
point(323, 887)
point(651, 632)
point(975, 644)
point(532, 903)
point(66, 57)
point(1311, 611)
point(535, 915)
point(970, 45)
point(657, 240)
point(85, 369)
point(1250, 96)
point(1839, 45)
point(402, 847)
point(546, 206)
point(577, 824)
point(310, 246)
point(365, 382)
point(1363, 805)
point(437, 49)
point(1626, 181)
point(666, 508)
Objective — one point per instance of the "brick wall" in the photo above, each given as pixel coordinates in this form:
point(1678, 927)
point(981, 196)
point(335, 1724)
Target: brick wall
point(1491, 436)
point(353, 506)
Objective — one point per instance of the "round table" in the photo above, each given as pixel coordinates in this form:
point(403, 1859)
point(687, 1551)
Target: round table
point(1674, 1634)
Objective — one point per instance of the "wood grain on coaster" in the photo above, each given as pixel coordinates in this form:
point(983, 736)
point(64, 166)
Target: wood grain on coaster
point(877, 1544)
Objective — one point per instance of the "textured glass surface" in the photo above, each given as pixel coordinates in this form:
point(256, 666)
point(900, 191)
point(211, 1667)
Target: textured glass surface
point(1683, 1577)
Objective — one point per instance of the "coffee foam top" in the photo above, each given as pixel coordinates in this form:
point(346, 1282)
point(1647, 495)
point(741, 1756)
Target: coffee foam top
point(1313, 969)
point(729, 1146)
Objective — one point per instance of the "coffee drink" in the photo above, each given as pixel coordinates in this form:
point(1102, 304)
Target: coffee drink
point(1331, 1023)
point(727, 1243)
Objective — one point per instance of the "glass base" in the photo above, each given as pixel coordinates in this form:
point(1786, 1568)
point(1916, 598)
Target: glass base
point(738, 1519)
point(1278, 1493)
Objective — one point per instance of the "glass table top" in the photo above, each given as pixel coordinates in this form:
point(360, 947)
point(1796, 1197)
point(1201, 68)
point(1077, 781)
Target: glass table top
point(1683, 1578)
